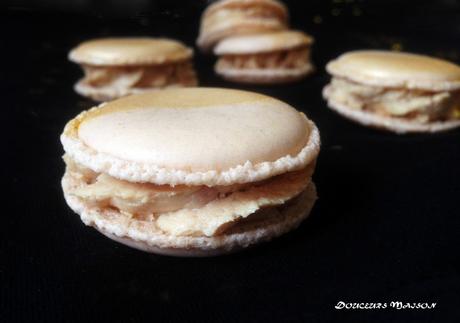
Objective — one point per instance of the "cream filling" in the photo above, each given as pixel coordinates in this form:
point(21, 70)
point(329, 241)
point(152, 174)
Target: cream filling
point(150, 76)
point(186, 210)
point(422, 106)
point(286, 59)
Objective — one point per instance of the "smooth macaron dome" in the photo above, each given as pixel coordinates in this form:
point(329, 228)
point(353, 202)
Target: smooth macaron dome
point(265, 58)
point(115, 67)
point(202, 170)
point(226, 18)
point(401, 92)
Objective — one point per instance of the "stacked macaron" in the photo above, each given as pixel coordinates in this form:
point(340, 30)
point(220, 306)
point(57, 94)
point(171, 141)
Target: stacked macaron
point(400, 92)
point(225, 18)
point(116, 67)
point(191, 172)
point(252, 40)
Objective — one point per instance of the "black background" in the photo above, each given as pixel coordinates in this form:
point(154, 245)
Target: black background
point(386, 226)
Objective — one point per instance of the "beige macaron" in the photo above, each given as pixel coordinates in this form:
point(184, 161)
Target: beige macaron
point(191, 172)
point(116, 67)
point(276, 57)
point(226, 18)
point(399, 92)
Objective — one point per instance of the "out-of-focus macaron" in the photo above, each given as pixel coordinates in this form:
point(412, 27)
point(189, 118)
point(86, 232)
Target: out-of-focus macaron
point(399, 92)
point(116, 67)
point(277, 57)
point(191, 172)
point(226, 18)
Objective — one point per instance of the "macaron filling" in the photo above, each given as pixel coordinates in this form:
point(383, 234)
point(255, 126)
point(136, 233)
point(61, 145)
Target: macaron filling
point(139, 76)
point(186, 210)
point(283, 59)
point(412, 104)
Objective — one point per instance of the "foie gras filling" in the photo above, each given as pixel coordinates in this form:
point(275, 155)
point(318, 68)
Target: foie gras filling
point(284, 59)
point(140, 76)
point(422, 106)
point(186, 210)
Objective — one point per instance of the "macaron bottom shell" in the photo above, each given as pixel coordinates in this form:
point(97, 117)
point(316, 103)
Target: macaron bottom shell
point(265, 76)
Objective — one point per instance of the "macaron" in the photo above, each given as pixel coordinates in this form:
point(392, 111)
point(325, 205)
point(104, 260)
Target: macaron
point(394, 91)
point(276, 57)
point(115, 67)
point(191, 171)
point(226, 18)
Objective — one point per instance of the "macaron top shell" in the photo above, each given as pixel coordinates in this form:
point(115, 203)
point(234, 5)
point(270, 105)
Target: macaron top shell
point(195, 136)
point(260, 43)
point(130, 51)
point(274, 5)
point(393, 69)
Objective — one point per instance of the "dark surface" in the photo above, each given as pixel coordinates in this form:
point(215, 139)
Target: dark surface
point(386, 226)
